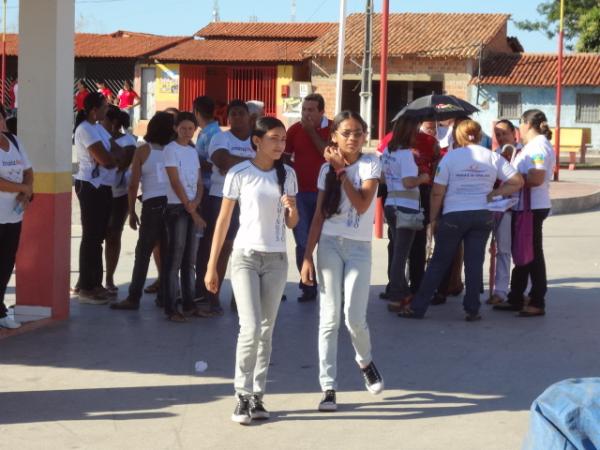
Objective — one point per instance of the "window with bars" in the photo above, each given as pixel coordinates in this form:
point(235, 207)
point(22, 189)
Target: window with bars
point(588, 108)
point(509, 105)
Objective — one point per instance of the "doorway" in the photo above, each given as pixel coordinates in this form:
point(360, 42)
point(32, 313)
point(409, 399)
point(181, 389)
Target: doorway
point(148, 103)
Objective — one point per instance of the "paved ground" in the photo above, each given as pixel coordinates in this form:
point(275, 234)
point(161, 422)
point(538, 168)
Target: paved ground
point(108, 379)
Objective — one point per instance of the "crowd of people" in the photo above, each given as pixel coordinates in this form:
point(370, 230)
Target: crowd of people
point(233, 194)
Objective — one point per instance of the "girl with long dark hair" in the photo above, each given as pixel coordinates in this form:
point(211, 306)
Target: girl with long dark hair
point(265, 189)
point(343, 227)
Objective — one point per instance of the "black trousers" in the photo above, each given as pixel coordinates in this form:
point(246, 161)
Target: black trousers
point(9, 243)
point(95, 205)
point(536, 269)
point(418, 251)
point(152, 230)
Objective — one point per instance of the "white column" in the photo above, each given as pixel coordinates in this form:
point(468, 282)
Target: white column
point(46, 71)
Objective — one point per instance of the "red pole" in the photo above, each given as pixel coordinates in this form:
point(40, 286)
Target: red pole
point(385, 18)
point(3, 54)
point(559, 75)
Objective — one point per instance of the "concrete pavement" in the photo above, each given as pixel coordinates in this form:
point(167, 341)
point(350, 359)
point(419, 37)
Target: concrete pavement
point(107, 379)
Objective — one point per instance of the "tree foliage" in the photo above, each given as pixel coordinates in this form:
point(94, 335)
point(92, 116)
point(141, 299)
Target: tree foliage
point(582, 25)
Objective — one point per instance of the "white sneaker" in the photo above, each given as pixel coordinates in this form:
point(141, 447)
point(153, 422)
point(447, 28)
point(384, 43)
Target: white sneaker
point(7, 322)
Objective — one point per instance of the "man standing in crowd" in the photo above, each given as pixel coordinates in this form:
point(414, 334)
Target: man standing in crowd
point(306, 141)
point(204, 110)
point(225, 151)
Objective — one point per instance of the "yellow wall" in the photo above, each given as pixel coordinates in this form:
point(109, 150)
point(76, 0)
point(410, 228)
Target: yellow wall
point(167, 86)
point(284, 76)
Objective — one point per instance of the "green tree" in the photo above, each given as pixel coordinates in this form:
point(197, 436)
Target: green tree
point(581, 23)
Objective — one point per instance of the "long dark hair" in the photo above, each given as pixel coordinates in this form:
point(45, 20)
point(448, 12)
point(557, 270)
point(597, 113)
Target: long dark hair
point(263, 125)
point(404, 133)
point(93, 100)
point(160, 129)
point(538, 121)
point(333, 186)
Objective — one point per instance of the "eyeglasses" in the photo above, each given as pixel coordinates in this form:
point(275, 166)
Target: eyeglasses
point(348, 134)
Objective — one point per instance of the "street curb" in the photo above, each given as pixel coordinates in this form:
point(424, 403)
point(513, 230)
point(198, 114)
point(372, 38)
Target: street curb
point(575, 204)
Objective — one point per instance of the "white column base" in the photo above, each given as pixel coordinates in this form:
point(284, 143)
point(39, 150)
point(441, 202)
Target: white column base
point(24, 313)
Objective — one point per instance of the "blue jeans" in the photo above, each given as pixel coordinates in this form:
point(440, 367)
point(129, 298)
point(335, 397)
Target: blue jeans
point(344, 271)
point(306, 203)
point(402, 239)
point(474, 228)
point(182, 248)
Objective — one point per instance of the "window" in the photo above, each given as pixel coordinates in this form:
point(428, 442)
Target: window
point(588, 108)
point(509, 105)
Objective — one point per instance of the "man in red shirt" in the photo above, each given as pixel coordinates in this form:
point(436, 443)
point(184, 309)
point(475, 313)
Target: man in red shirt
point(82, 93)
point(305, 143)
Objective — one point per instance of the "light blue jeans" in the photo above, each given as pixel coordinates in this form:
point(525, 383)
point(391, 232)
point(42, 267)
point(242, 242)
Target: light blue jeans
point(344, 273)
point(258, 280)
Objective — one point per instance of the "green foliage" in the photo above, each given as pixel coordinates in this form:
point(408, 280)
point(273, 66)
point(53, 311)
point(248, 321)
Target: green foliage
point(581, 22)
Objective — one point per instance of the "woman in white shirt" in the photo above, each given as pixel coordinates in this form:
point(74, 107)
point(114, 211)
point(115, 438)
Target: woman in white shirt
point(16, 190)
point(185, 226)
point(93, 184)
point(403, 197)
point(343, 227)
point(148, 168)
point(265, 189)
point(536, 163)
point(115, 122)
point(464, 183)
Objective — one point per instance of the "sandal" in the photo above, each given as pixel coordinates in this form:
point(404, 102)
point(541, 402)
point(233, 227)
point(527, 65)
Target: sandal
point(531, 311)
point(176, 317)
point(216, 310)
point(153, 288)
point(408, 313)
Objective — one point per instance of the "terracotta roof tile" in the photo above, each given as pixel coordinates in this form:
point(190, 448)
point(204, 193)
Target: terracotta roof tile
point(432, 35)
point(269, 30)
point(580, 69)
point(227, 50)
point(121, 44)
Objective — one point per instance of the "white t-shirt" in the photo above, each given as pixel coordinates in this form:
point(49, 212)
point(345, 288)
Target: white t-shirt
point(348, 223)
point(397, 165)
point(537, 154)
point(227, 141)
point(469, 173)
point(262, 215)
point(86, 135)
point(12, 165)
point(185, 159)
point(119, 189)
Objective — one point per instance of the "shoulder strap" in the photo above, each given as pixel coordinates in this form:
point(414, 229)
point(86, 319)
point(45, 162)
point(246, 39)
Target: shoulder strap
point(11, 137)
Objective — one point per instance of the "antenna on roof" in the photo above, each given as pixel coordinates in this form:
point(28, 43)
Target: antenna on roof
point(215, 13)
point(253, 18)
point(293, 16)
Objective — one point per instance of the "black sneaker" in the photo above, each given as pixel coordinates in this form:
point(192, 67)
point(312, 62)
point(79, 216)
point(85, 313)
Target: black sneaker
point(257, 408)
point(241, 414)
point(373, 380)
point(328, 401)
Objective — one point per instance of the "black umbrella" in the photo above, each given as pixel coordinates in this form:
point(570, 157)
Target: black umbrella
point(436, 107)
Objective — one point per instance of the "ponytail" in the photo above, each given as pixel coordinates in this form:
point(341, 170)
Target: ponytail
point(538, 121)
point(281, 175)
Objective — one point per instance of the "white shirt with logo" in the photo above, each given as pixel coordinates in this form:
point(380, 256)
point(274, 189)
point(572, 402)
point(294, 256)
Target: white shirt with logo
point(347, 223)
point(119, 188)
point(86, 135)
point(397, 165)
point(236, 147)
point(262, 215)
point(537, 154)
point(469, 174)
point(185, 159)
point(12, 165)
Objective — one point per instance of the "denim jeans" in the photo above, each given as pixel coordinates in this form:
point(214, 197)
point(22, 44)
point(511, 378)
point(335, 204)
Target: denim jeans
point(95, 205)
point(402, 243)
point(182, 248)
point(344, 273)
point(472, 227)
point(210, 211)
point(536, 269)
point(9, 237)
point(306, 203)
point(258, 280)
point(152, 229)
point(503, 255)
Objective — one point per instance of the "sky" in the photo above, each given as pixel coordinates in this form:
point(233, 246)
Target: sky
point(185, 17)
